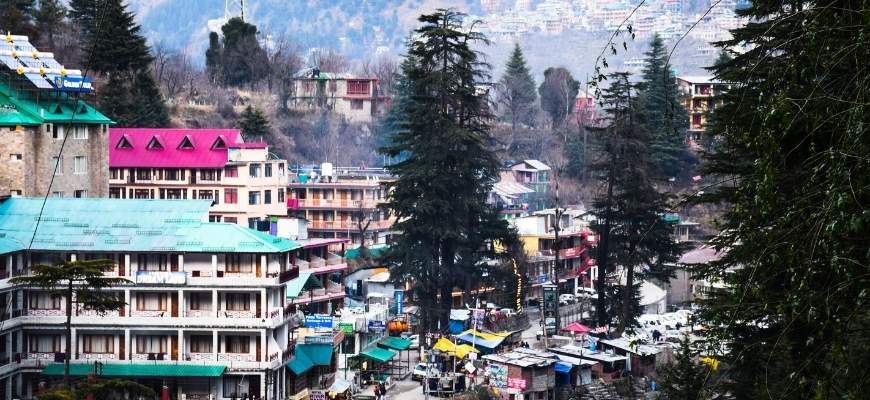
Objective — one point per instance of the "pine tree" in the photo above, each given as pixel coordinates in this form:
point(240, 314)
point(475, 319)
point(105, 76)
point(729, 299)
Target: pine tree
point(684, 378)
point(516, 92)
point(148, 107)
point(558, 92)
point(794, 151)
point(663, 114)
point(253, 123)
point(439, 196)
point(243, 60)
point(50, 19)
point(213, 56)
point(112, 40)
point(16, 17)
point(630, 212)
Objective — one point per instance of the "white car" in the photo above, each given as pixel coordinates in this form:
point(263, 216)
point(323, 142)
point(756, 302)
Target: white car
point(567, 299)
point(587, 293)
point(421, 370)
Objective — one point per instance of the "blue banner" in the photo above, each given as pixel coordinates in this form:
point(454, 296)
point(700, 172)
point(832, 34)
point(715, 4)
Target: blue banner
point(79, 84)
point(377, 326)
point(399, 296)
point(318, 321)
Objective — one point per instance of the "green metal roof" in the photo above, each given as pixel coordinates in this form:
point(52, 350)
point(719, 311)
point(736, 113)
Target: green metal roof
point(112, 225)
point(53, 107)
point(378, 354)
point(138, 370)
point(308, 355)
point(303, 281)
point(374, 252)
point(8, 245)
point(395, 343)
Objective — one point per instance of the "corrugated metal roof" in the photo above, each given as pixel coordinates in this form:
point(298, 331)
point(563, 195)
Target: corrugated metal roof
point(52, 107)
point(110, 225)
point(202, 155)
point(537, 165)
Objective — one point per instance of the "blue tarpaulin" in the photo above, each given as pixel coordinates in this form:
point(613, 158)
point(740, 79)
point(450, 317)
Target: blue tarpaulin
point(476, 341)
point(563, 373)
point(563, 367)
point(456, 327)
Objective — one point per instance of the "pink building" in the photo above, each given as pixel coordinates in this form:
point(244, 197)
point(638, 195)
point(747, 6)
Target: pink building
point(584, 109)
point(244, 182)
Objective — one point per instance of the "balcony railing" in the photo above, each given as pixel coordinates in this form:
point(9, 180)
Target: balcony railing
point(98, 356)
point(42, 356)
point(199, 357)
point(45, 313)
point(237, 314)
point(199, 313)
point(83, 312)
point(347, 225)
point(150, 356)
point(149, 313)
point(237, 357)
point(332, 203)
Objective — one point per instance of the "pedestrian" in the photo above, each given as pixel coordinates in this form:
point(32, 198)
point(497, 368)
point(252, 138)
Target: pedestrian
point(377, 391)
point(656, 335)
point(383, 390)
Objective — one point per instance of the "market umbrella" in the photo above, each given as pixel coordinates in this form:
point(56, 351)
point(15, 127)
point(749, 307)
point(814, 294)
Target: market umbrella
point(576, 327)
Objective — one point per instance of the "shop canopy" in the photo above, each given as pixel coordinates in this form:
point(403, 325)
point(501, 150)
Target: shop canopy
point(395, 343)
point(486, 340)
point(137, 370)
point(308, 355)
point(446, 346)
point(576, 327)
point(305, 281)
point(378, 354)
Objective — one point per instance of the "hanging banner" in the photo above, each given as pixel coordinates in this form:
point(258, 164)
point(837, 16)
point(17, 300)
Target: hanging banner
point(399, 297)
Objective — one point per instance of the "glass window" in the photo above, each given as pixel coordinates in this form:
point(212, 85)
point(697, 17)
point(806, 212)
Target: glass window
point(231, 172)
point(267, 197)
point(236, 386)
point(254, 170)
point(80, 194)
point(231, 196)
point(238, 344)
point(57, 132)
point(80, 164)
point(80, 132)
point(238, 302)
point(253, 197)
point(200, 344)
point(280, 196)
point(267, 170)
point(200, 301)
point(240, 262)
point(57, 164)
point(231, 220)
point(150, 344)
point(151, 301)
point(98, 343)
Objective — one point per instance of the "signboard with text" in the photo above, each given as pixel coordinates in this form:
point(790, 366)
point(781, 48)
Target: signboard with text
point(318, 321)
point(399, 296)
point(78, 84)
point(377, 326)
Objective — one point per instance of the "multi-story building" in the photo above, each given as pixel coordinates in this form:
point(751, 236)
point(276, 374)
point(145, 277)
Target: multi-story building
point(356, 98)
point(698, 94)
point(206, 314)
point(532, 174)
point(39, 116)
point(244, 182)
point(537, 233)
point(339, 202)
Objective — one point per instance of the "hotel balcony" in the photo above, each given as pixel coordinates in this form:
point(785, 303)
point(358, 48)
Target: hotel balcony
point(332, 204)
point(346, 225)
point(331, 292)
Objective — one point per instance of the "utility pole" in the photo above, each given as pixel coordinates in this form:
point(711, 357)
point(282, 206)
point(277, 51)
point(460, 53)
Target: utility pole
point(557, 226)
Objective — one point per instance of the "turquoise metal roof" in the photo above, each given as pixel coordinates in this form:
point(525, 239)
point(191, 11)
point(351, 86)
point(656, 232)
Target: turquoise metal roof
point(296, 285)
point(110, 225)
point(9, 245)
point(138, 370)
point(308, 355)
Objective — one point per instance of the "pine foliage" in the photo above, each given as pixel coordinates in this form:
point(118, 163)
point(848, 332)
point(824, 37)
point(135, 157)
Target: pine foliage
point(685, 378)
point(253, 123)
point(794, 153)
point(439, 197)
point(516, 91)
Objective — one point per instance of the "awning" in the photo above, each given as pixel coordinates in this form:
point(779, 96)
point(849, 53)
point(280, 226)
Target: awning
point(488, 340)
point(305, 280)
point(395, 343)
point(308, 355)
point(446, 346)
point(378, 354)
point(138, 370)
point(339, 386)
point(563, 367)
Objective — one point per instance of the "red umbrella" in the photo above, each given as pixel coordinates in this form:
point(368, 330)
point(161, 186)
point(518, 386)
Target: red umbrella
point(576, 327)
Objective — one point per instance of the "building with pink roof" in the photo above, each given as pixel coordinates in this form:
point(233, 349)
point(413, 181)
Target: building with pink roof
point(244, 182)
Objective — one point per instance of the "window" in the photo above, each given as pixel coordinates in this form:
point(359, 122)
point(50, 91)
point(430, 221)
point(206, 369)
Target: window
point(80, 164)
point(231, 196)
point(15, 157)
point(115, 173)
point(252, 223)
point(154, 144)
point(57, 164)
point(173, 174)
point(280, 169)
point(151, 301)
point(80, 194)
point(60, 194)
point(219, 144)
point(200, 344)
point(57, 132)
point(280, 196)
point(236, 386)
point(237, 344)
point(208, 174)
point(238, 302)
point(98, 343)
point(150, 344)
point(143, 174)
point(200, 301)
point(80, 132)
point(239, 263)
point(186, 143)
point(214, 218)
point(15, 192)
point(253, 197)
point(231, 172)
point(44, 301)
point(206, 194)
point(267, 170)
point(231, 220)
point(356, 104)
point(142, 194)
point(267, 197)
point(123, 143)
point(116, 193)
point(254, 170)
point(45, 343)
point(152, 262)
point(358, 87)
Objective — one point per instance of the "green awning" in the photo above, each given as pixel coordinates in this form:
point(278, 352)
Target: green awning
point(305, 280)
point(378, 354)
point(138, 370)
point(308, 355)
point(395, 343)
point(300, 363)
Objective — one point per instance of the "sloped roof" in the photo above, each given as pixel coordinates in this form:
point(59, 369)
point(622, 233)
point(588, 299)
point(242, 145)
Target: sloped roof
point(109, 225)
point(138, 370)
point(202, 155)
point(52, 108)
point(510, 188)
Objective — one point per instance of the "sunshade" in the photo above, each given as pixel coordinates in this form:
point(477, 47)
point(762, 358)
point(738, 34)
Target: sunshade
point(446, 346)
point(138, 370)
point(305, 280)
point(576, 327)
point(395, 343)
point(378, 354)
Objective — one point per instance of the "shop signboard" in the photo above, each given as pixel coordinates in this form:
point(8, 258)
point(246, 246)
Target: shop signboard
point(377, 326)
point(399, 297)
point(346, 327)
point(550, 298)
point(322, 321)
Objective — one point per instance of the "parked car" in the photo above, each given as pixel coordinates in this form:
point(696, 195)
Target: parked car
point(421, 370)
point(508, 311)
point(586, 293)
point(567, 298)
point(415, 340)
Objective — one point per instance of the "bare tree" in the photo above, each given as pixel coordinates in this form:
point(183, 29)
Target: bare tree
point(174, 72)
point(329, 60)
point(384, 68)
point(285, 61)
